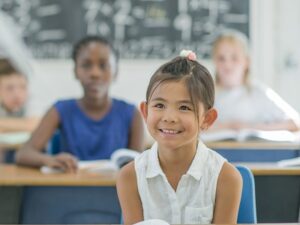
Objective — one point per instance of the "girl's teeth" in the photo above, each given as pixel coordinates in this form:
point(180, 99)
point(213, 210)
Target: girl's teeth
point(170, 131)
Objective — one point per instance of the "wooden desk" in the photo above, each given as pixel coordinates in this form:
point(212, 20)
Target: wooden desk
point(255, 151)
point(12, 175)
point(84, 197)
point(91, 198)
point(270, 169)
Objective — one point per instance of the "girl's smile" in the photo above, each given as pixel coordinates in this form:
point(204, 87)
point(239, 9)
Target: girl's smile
point(171, 117)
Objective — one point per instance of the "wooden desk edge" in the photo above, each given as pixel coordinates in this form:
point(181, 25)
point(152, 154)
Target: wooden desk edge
point(11, 175)
point(270, 169)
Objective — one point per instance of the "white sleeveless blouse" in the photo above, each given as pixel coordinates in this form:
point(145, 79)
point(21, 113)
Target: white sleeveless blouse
point(193, 202)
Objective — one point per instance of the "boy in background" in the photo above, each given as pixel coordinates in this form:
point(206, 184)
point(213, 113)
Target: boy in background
point(13, 113)
point(13, 99)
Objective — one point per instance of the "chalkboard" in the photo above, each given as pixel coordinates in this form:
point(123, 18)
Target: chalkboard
point(138, 28)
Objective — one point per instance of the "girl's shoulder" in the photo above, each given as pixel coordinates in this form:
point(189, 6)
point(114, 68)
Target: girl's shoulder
point(258, 87)
point(122, 104)
point(127, 171)
point(127, 177)
point(66, 106)
point(65, 102)
point(229, 174)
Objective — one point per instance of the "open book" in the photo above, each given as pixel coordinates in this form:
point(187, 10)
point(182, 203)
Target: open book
point(289, 162)
point(117, 160)
point(249, 134)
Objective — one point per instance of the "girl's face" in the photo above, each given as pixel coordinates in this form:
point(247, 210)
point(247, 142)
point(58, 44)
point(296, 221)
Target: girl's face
point(13, 92)
point(231, 64)
point(170, 116)
point(94, 69)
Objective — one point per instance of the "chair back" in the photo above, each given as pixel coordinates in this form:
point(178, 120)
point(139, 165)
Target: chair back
point(54, 143)
point(247, 210)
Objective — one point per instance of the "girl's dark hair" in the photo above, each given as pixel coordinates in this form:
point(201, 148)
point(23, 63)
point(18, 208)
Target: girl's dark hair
point(89, 39)
point(198, 81)
point(7, 69)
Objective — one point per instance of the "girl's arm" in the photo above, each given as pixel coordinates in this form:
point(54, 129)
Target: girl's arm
point(136, 138)
point(128, 195)
point(18, 124)
point(289, 124)
point(30, 154)
point(228, 195)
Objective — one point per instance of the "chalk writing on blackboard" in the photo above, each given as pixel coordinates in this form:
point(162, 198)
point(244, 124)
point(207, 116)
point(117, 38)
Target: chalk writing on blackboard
point(138, 28)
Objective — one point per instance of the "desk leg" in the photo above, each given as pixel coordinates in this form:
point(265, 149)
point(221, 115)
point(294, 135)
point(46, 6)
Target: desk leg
point(10, 200)
point(277, 198)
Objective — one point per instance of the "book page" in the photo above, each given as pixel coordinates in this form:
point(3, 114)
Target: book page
point(118, 159)
point(89, 166)
point(275, 135)
point(122, 156)
point(289, 162)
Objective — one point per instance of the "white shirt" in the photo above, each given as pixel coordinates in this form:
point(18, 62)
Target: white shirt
point(193, 202)
point(256, 104)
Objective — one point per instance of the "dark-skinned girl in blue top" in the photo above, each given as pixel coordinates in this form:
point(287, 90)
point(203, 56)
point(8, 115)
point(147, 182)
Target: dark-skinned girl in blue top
point(91, 127)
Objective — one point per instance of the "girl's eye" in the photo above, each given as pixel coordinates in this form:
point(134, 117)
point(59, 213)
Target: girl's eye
point(221, 58)
point(159, 105)
point(86, 65)
point(184, 107)
point(104, 66)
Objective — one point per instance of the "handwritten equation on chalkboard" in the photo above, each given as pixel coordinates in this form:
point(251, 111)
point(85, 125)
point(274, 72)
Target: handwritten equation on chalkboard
point(138, 28)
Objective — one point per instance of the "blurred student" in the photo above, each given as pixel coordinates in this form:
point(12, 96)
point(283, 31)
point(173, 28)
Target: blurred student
point(91, 127)
point(13, 100)
point(242, 104)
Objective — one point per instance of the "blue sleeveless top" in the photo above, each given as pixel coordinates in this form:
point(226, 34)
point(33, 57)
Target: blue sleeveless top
point(90, 139)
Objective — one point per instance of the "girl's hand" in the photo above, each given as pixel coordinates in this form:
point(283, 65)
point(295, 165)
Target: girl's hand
point(236, 125)
point(233, 125)
point(64, 161)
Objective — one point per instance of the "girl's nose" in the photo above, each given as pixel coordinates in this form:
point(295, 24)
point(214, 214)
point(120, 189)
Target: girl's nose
point(96, 72)
point(170, 117)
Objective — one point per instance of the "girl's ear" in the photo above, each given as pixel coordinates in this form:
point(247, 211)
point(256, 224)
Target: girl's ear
point(210, 117)
point(144, 109)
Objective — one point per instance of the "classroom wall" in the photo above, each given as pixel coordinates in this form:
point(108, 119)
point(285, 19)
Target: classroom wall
point(275, 57)
point(54, 79)
point(288, 55)
point(275, 33)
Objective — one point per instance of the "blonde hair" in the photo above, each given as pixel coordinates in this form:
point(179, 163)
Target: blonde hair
point(236, 38)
